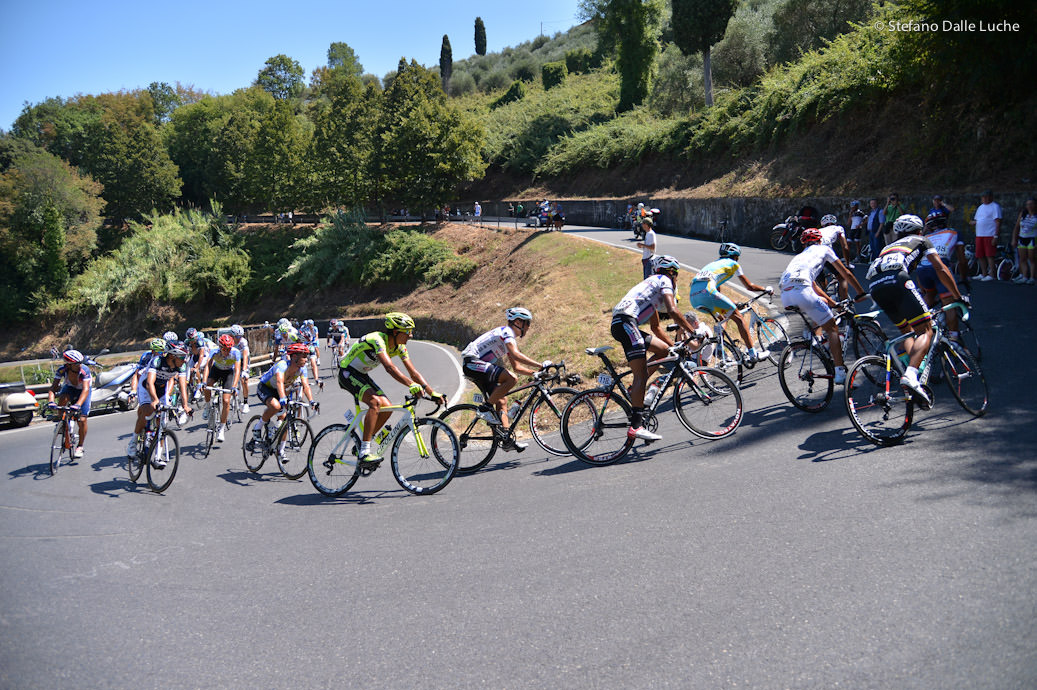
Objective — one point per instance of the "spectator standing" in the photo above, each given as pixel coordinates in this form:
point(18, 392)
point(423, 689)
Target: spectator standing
point(876, 226)
point(518, 210)
point(941, 209)
point(987, 222)
point(477, 212)
point(855, 223)
point(1024, 238)
point(648, 246)
point(894, 209)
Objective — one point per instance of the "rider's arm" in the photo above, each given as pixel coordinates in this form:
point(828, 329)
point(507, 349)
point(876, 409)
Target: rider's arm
point(678, 317)
point(237, 373)
point(824, 295)
point(944, 274)
point(751, 285)
point(518, 359)
point(279, 384)
point(657, 328)
point(149, 386)
point(182, 382)
point(87, 384)
point(846, 273)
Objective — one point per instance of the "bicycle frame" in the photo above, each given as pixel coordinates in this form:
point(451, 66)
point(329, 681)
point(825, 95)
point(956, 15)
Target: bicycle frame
point(354, 420)
point(539, 385)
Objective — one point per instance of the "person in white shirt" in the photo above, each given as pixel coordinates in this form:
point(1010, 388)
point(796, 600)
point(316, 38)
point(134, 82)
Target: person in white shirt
point(647, 247)
point(987, 222)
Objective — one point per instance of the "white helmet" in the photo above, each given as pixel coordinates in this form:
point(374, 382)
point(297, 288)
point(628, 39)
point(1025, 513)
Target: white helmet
point(169, 336)
point(907, 224)
point(518, 314)
point(237, 331)
point(828, 219)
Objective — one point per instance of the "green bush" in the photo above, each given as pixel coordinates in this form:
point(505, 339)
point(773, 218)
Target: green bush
point(524, 69)
point(516, 93)
point(578, 60)
point(493, 81)
point(553, 74)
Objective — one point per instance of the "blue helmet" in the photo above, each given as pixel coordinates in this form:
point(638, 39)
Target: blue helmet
point(730, 250)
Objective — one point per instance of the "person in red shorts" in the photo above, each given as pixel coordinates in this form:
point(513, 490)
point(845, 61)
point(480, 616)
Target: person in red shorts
point(987, 222)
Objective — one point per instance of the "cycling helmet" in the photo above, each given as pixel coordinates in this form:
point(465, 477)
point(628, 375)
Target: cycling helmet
point(828, 219)
point(283, 322)
point(237, 331)
point(936, 220)
point(200, 340)
point(192, 333)
point(730, 250)
point(176, 348)
point(226, 340)
point(291, 334)
point(297, 349)
point(72, 356)
point(518, 314)
point(284, 327)
point(308, 322)
point(157, 345)
point(398, 321)
point(810, 236)
point(169, 336)
point(907, 224)
point(855, 202)
point(665, 262)
point(641, 204)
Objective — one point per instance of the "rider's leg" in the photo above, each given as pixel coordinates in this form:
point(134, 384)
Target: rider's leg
point(505, 382)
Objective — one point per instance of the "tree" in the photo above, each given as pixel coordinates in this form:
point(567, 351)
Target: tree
point(446, 62)
point(631, 28)
point(281, 78)
point(275, 163)
point(165, 99)
point(697, 26)
point(54, 270)
point(341, 58)
point(803, 25)
point(480, 37)
point(342, 147)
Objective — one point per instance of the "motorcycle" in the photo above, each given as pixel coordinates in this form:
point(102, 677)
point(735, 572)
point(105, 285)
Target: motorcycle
point(786, 235)
point(112, 385)
point(16, 404)
point(638, 229)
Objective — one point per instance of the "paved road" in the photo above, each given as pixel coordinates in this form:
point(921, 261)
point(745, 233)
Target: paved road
point(790, 555)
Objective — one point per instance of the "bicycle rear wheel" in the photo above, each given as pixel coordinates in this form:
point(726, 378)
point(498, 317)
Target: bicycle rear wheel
point(771, 338)
point(708, 403)
point(332, 462)
point(964, 378)
point(166, 449)
point(545, 419)
point(425, 457)
point(594, 427)
point(879, 409)
point(290, 446)
point(1005, 269)
point(730, 361)
point(476, 441)
point(253, 451)
point(807, 376)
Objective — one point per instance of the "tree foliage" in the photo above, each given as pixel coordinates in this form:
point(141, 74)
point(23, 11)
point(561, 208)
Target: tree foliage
point(281, 77)
point(480, 37)
point(632, 29)
point(553, 74)
point(697, 26)
point(446, 62)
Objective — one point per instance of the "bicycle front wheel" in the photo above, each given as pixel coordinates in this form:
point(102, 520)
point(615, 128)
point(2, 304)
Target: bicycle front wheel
point(1005, 270)
point(964, 378)
point(970, 340)
point(163, 462)
point(879, 409)
point(545, 419)
point(868, 338)
point(332, 462)
point(708, 403)
point(779, 240)
point(290, 446)
point(210, 429)
point(476, 441)
point(425, 456)
point(807, 376)
point(57, 447)
point(253, 450)
point(594, 427)
point(771, 338)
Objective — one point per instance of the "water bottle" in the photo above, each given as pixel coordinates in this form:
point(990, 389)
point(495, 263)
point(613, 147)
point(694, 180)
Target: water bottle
point(653, 390)
point(513, 410)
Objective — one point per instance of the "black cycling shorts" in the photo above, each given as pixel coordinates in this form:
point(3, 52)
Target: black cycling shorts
point(483, 374)
point(897, 295)
point(220, 377)
point(634, 341)
point(356, 382)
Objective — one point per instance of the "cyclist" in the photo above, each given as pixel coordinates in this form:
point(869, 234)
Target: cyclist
point(951, 249)
point(222, 369)
point(338, 337)
point(799, 289)
point(73, 381)
point(639, 306)
point(273, 386)
point(311, 338)
point(706, 296)
point(893, 290)
point(198, 357)
point(241, 345)
point(483, 364)
point(155, 347)
point(833, 235)
point(159, 375)
point(378, 347)
point(853, 235)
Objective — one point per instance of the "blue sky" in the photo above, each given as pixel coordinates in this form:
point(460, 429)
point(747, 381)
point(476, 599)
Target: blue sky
point(61, 48)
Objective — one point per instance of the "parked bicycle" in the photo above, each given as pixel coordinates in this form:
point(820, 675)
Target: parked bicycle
point(423, 452)
point(289, 444)
point(66, 436)
point(159, 450)
point(882, 411)
point(479, 439)
point(1007, 263)
point(706, 401)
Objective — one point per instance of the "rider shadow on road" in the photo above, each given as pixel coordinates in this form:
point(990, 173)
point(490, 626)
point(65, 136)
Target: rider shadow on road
point(246, 478)
point(351, 497)
point(835, 444)
point(40, 471)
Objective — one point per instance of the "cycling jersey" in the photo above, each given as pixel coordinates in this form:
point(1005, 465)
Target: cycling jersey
point(946, 242)
point(363, 355)
point(719, 272)
point(830, 235)
point(491, 346)
point(224, 362)
point(144, 359)
point(242, 345)
point(63, 375)
point(269, 379)
point(202, 356)
point(902, 255)
point(805, 267)
point(164, 374)
point(644, 299)
point(309, 334)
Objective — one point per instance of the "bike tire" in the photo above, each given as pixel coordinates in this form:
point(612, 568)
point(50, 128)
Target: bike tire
point(476, 440)
point(594, 427)
point(779, 240)
point(881, 413)
point(867, 338)
point(425, 456)
point(970, 340)
point(57, 447)
point(731, 361)
point(254, 452)
point(1005, 270)
point(168, 447)
point(807, 376)
point(708, 403)
point(772, 338)
point(545, 419)
point(135, 464)
point(964, 378)
point(333, 466)
point(210, 430)
point(291, 446)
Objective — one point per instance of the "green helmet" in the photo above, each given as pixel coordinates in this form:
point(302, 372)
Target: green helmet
point(398, 321)
point(157, 345)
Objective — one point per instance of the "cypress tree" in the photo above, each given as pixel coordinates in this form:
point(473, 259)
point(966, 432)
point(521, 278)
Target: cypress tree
point(446, 62)
point(480, 37)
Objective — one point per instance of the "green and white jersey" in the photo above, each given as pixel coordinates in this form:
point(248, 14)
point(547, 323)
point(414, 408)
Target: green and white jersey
point(363, 355)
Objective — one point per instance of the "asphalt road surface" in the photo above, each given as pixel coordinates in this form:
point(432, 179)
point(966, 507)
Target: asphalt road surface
point(793, 554)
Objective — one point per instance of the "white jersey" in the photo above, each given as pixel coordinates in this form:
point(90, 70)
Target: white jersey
point(242, 346)
point(946, 242)
point(491, 346)
point(804, 268)
point(645, 298)
point(830, 235)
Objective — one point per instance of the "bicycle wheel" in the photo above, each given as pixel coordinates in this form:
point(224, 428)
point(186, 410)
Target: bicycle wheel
point(964, 378)
point(476, 441)
point(235, 408)
point(594, 426)
point(290, 446)
point(166, 449)
point(1005, 270)
point(701, 406)
point(879, 409)
point(57, 447)
point(210, 429)
point(730, 360)
point(135, 464)
point(545, 419)
point(771, 338)
point(425, 457)
point(970, 340)
point(779, 240)
point(332, 462)
point(868, 338)
point(807, 376)
point(254, 451)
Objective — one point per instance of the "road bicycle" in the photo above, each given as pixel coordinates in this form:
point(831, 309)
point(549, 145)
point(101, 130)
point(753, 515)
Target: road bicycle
point(1008, 264)
point(289, 444)
point(882, 412)
point(706, 401)
point(770, 337)
point(806, 370)
point(966, 333)
point(423, 452)
point(159, 450)
point(213, 422)
point(479, 439)
point(66, 436)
